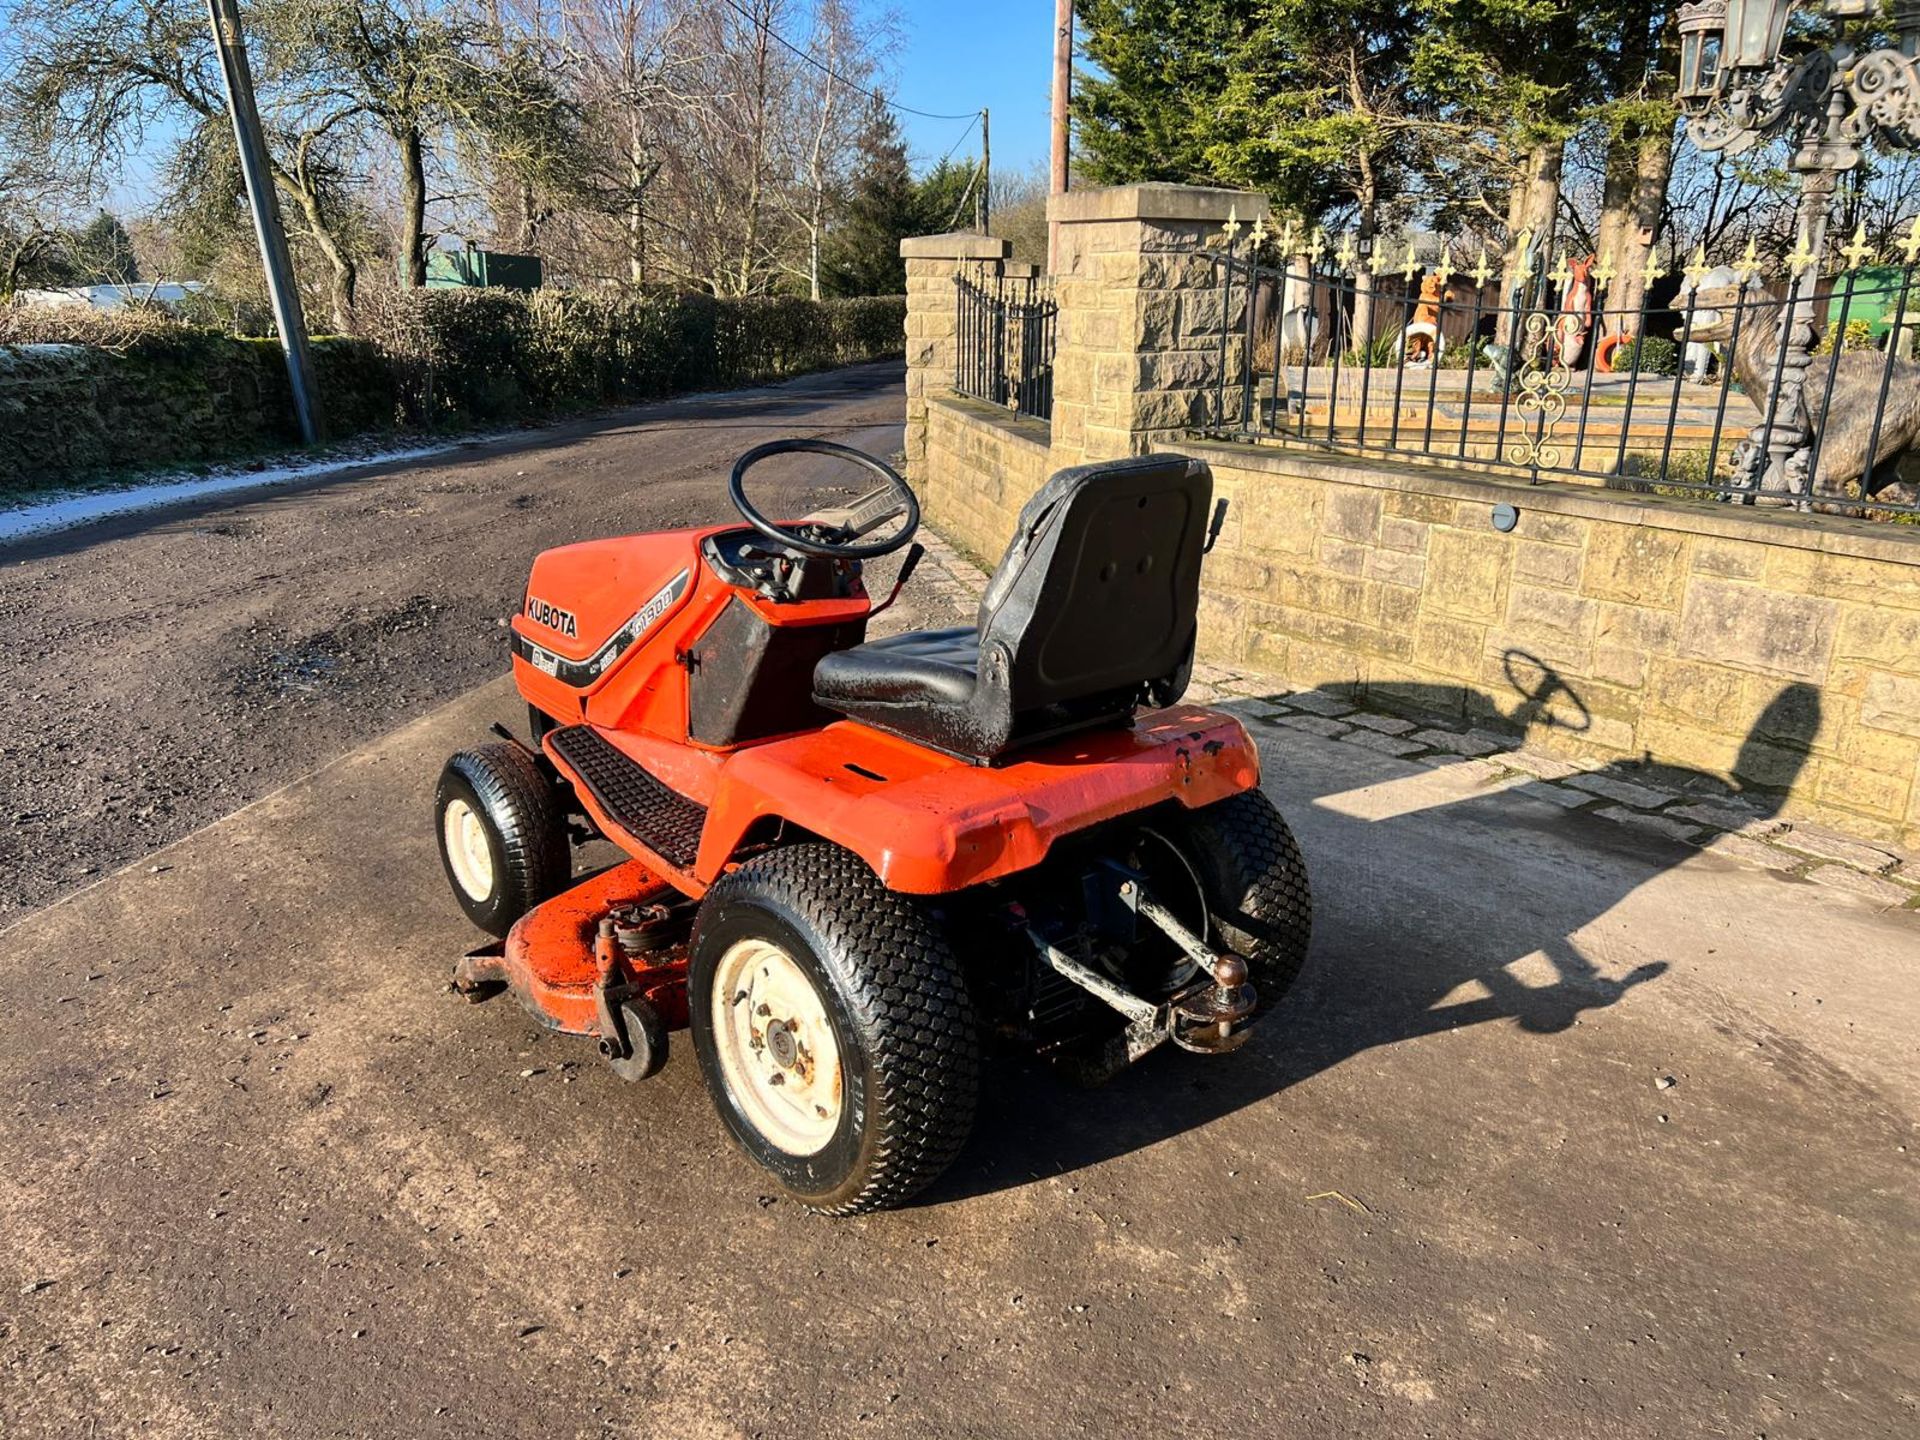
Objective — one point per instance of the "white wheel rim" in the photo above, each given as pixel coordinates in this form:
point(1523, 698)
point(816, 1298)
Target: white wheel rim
point(776, 1047)
point(467, 849)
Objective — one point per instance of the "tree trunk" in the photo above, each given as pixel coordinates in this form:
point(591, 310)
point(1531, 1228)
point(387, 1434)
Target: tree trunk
point(1616, 197)
point(758, 148)
point(813, 246)
point(17, 262)
point(1531, 208)
point(638, 179)
point(1652, 169)
point(1368, 196)
point(413, 210)
point(345, 276)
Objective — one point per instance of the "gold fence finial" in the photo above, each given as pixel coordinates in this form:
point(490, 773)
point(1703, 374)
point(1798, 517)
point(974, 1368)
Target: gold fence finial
point(1232, 228)
point(1286, 240)
point(1604, 272)
point(1698, 269)
point(1801, 256)
point(1259, 232)
point(1857, 251)
point(1343, 257)
point(1560, 274)
point(1482, 271)
point(1412, 265)
point(1654, 268)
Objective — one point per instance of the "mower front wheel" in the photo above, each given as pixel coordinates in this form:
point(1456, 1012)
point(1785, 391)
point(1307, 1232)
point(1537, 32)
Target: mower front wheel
point(502, 833)
point(834, 1028)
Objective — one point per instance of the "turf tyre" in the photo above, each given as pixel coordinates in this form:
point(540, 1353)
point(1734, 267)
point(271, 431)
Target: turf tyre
point(518, 808)
point(1259, 903)
point(903, 1022)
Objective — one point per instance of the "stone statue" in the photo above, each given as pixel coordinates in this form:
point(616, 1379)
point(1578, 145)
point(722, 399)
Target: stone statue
point(1843, 421)
point(1421, 343)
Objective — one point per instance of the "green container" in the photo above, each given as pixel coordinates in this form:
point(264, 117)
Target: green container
point(482, 269)
point(1875, 298)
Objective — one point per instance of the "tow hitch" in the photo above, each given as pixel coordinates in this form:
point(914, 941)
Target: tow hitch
point(1210, 1016)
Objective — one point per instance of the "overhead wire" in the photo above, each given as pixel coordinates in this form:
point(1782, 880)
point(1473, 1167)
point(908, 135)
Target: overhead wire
point(767, 28)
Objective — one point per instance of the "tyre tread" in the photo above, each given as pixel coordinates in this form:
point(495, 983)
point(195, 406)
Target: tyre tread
point(1257, 886)
point(907, 994)
point(523, 807)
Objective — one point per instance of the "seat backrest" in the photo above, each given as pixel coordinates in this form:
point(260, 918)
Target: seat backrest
point(1100, 586)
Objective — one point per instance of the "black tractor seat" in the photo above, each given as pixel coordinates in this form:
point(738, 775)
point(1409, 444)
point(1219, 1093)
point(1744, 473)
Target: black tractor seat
point(1090, 613)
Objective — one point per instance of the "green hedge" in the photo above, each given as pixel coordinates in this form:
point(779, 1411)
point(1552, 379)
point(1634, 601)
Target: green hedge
point(461, 356)
point(83, 394)
point(68, 412)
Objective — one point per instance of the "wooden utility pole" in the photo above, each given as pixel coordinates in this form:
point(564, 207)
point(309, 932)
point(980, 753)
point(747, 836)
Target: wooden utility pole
point(231, 44)
point(982, 204)
point(1062, 98)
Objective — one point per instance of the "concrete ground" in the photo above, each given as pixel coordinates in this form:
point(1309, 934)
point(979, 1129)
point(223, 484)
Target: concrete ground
point(1562, 1134)
point(1566, 1131)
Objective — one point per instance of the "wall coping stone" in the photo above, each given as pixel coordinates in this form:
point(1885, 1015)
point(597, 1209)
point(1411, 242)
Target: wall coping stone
point(955, 245)
point(1157, 202)
point(1828, 534)
point(1022, 428)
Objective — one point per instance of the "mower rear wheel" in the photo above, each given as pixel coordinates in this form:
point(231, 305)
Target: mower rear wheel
point(1258, 902)
point(502, 833)
point(834, 1028)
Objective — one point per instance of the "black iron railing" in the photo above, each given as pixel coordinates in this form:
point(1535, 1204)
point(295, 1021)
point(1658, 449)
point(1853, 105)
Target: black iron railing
point(1691, 390)
point(1004, 340)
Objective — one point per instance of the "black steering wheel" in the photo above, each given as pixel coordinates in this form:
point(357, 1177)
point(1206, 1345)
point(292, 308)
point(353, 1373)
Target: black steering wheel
point(810, 535)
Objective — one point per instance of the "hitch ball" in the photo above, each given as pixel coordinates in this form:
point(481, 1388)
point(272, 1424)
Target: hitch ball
point(1229, 972)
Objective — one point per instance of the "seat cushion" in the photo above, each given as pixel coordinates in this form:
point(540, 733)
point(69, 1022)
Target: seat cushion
point(936, 666)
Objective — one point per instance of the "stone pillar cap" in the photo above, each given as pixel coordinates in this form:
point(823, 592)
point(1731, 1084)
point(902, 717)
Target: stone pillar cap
point(955, 245)
point(1156, 202)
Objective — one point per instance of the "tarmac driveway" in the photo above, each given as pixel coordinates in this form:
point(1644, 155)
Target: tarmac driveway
point(1562, 1134)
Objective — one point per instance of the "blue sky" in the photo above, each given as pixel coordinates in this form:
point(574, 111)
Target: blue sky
point(960, 56)
point(953, 58)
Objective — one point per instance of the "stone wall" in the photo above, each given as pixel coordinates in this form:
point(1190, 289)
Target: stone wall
point(1775, 650)
point(978, 467)
point(1780, 650)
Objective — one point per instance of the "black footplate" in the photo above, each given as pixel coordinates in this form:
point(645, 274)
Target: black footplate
point(668, 824)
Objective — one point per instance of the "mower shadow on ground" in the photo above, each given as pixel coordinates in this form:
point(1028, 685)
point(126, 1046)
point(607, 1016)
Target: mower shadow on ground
point(1371, 980)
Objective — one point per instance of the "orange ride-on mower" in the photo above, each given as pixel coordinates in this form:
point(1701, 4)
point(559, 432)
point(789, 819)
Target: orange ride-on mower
point(855, 861)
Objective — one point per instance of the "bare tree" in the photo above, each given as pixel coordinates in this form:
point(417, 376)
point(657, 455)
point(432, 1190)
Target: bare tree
point(638, 64)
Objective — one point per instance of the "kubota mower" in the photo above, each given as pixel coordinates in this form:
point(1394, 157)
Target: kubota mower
point(855, 862)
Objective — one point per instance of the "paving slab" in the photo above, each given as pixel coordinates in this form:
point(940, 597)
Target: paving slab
point(1826, 845)
point(262, 1175)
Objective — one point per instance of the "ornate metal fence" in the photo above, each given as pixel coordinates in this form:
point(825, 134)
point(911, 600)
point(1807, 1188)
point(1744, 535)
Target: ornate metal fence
point(1689, 391)
point(1004, 342)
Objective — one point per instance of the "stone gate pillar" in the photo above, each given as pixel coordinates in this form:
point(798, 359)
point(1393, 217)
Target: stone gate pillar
point(1142, 310)
point(932, 306)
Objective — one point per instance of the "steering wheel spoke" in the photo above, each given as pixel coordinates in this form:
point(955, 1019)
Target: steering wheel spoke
point(852, 522)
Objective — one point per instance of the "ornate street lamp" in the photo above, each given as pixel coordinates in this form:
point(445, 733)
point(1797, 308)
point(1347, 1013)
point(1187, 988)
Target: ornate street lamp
point(1737, 88)
point(1702, 36)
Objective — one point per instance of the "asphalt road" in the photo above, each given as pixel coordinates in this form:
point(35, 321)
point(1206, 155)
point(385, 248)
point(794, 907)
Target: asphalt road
point(165, 668)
